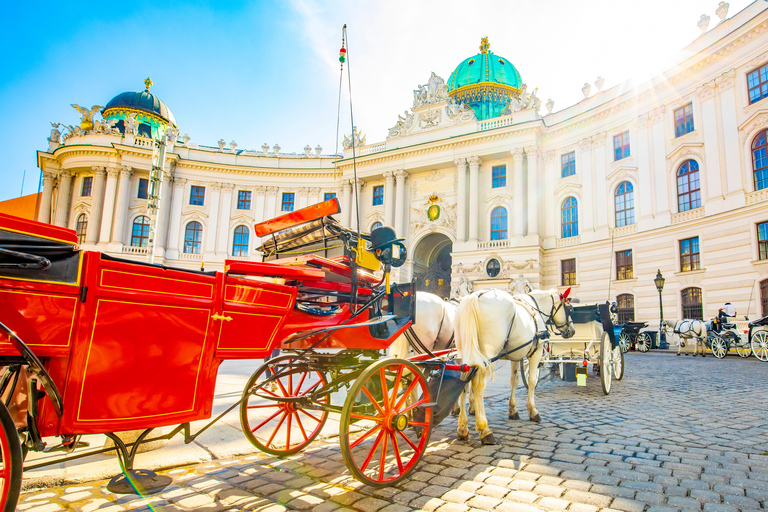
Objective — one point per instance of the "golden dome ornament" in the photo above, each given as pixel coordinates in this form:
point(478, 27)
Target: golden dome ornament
point(433, 211)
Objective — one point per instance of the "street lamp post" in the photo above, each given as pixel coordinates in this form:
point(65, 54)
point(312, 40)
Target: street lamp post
point(659, 282)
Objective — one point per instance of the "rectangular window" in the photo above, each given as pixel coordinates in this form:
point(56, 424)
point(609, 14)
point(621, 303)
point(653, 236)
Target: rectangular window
point(684, 120)
point(624, 264)
point(87, 185)
point(689, 254)
point(329, 195)
point(762, 240)
point(378, 195)
point(568, 164)
point(143, 186)
point(197, 196)
point(287, 205)
point(757, 82)
point(568, 272)
point(621, 146)
point(243, 199)
point(499, 176)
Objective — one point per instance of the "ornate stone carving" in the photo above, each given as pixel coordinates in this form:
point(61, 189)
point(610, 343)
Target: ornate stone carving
point(318, 150)
point(474, 161)
point(357, 137)
point(131, 124)
point(430, 118)
point(221, 144)
point(434, 91)
point(550, 105)
point(684, 153)
point(48, 177)
point(447, 219)
point(55, 137)
point(532, 151)
point(458, 111)
point(314, 190)
point(642, 121)
point(460, 162)
point(524, 101)
point(703, 23)
point(585, 144)
point(460, 283)
point(585, 90)
point(215, 186)
point(519, 286)
point(657, 114)
point(186, 138)
point(272, 191)
point(86, 115)
point(179, 182)
point(726, 80)
point(549, 155)
point(126, 171)
point(402, 126)
point(303, 191)
point(389, 176)
point(722, 11)
point(276, 149)
point(233, 146)
point(260, 189)
point(265, 148)
point(706, 91)
point(598, 139)
point(307, 150)
point(99, 170)
point(517, 153)
point(757, 123)
point(599, 83)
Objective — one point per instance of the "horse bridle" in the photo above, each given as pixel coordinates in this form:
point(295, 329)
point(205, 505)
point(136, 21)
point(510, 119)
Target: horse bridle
point(550, 323)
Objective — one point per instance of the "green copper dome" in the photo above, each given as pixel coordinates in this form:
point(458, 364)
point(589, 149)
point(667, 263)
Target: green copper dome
point(485, 82)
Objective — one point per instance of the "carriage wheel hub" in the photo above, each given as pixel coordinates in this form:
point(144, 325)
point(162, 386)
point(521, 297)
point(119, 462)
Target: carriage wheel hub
point(398, 422)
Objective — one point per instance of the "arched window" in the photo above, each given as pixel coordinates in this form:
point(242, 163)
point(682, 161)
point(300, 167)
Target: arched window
point(688, 186)
point(692, 306)
point(193, 236)
point(499, 223)
point(240, 243)
point(626, 308)
point(375, 225)
point(759, 160)
point(625, 204)
point(81, 227)
point(570, 217)
point(140, 231)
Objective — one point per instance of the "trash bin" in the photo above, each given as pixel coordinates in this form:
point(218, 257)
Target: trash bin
point(569, 372)
point(654, 341)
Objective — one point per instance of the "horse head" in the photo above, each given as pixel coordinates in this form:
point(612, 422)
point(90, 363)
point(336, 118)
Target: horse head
point(557, 311)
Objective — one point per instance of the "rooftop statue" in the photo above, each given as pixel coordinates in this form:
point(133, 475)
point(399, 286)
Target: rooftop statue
point(357, 138)
point(86, 121)
point(432, 92)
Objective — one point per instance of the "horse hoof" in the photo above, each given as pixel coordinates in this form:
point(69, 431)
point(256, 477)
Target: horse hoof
point(488, 439)
point(463, 437)
point(515, 416)
point(536, 418)
point(471, 413)
point(678, 354)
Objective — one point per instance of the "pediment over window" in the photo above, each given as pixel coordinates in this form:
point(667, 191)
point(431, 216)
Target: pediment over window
point(569, 189)
point(754, 123)
point(499, 199)
point(686, 151)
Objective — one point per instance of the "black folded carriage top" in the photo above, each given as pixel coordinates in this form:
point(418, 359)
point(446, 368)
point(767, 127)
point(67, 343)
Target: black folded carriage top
point(319, 235)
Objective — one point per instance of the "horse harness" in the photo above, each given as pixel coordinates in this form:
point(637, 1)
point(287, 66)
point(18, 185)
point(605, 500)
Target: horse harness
point(419, 346)
point(677, 329)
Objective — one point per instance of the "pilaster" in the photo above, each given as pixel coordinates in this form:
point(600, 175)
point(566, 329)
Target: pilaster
point(389, 198)
point(518, 193)
point(108, 215)
point(400, 176)
point(97, 204)
point(63, 198)
point(461, 199)
point(474, 193)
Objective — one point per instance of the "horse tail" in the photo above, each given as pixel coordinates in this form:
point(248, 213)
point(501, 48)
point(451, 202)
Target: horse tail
point(467, 339)
point(400, 347)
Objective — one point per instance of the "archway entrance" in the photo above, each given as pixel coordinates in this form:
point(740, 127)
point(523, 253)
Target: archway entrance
point(432, 264)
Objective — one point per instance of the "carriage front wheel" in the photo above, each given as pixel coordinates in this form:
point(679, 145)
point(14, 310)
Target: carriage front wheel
point(606, 363)
point(10, 465)
point(759, 345)
point(275, 418)
point(382, 434)
point(643, 342)
point(624, 341)
point(719, 347)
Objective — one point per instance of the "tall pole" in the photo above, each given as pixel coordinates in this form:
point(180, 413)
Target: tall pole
point(154, 194)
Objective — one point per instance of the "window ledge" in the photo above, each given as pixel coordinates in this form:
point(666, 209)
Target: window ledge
point(690, 272)
point(619, 281)
point(566, 286)
point(760, 262)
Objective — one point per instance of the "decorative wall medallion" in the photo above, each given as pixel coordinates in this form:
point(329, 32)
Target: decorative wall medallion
point(493, 267)
point(433, 212)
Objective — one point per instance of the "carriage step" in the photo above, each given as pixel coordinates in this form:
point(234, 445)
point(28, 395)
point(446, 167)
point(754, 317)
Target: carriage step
point(68, 448)
point(428, 405)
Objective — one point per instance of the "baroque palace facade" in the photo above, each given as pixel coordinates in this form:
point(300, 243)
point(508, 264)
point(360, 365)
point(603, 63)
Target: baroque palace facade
point(487, 190)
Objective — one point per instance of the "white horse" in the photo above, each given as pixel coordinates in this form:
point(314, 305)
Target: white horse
point(692, 330)
point(495, 324)
point(433, 328)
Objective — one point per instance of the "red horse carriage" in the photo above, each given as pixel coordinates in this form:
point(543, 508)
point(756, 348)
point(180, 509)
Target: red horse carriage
point(90, 343)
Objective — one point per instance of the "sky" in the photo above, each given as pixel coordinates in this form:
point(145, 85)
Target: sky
point(268, 71)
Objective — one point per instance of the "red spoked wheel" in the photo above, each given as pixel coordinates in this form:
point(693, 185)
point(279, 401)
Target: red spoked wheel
point(10, 462)
point(282, 427)
point(380, 442)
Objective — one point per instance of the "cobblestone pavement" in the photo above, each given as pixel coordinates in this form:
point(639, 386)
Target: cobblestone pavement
point(678, 433)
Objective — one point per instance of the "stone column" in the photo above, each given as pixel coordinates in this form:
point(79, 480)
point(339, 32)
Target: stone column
point(728, 117)
point(346, 188)
point(213, 219)
point(62, 199)
point(400, 207)
point(107, 216)
point(586, 220)
point(270, 211)
point(97, 205)
point(226, 213)
point(600, 210)
point(44, 214)
point(534, 196)
point(461, 199)
point(518, 194)
point(176, 208)
point(661, 199)
point(474, 196)
point(358, 205)
point(711, 185)
point(550, 177)
point(643, 195)
point(389, 198)
point(121, 207)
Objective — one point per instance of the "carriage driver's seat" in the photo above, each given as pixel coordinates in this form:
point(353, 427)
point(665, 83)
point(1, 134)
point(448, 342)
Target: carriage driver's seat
point(727, 326)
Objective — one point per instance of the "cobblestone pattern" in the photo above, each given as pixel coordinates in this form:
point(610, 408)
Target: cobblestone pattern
point(676, 434)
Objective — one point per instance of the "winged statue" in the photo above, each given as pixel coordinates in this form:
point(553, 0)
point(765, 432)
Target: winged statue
point(86, 122)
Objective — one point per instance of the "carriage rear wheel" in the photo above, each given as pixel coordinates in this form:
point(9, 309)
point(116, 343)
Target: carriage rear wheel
point(759, 345)
point(643, 342)
point(618, 363)
point(719, 347)
point(386, 442)
point(524, 369)
point(742, 347)
point(282, 427)
point(624, 341)
point(606, 363)
point(10, 462)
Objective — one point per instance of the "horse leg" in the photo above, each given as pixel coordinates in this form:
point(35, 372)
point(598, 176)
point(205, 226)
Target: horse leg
point(462, 431)
point(471, 402)
point(512, 411)
point(481, 421)
point(533, 379)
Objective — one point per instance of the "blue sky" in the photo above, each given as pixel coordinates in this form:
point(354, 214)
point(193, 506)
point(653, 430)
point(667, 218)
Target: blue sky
point(267, 71)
